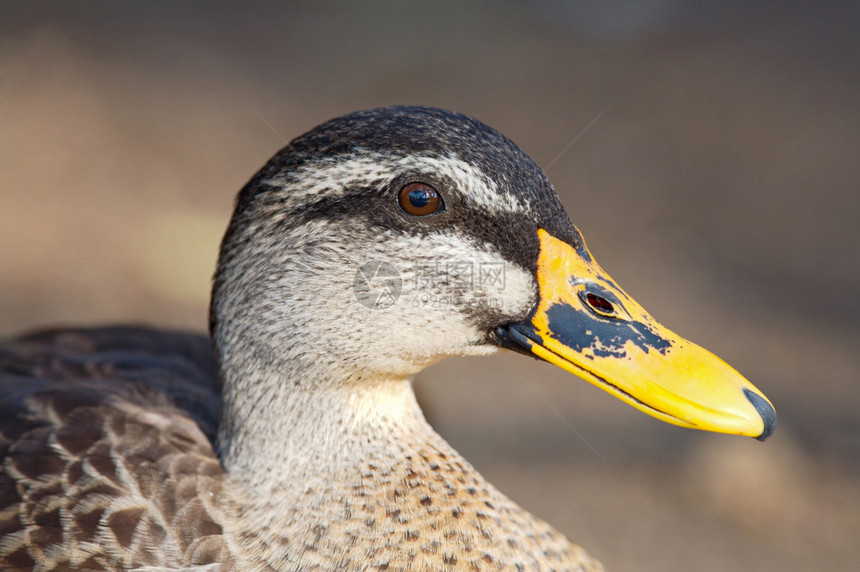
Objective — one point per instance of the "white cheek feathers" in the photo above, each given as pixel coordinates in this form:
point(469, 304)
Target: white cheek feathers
point(387, 309)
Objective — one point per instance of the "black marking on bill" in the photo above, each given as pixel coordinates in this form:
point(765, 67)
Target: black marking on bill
point(580, 330)
point(767, 412)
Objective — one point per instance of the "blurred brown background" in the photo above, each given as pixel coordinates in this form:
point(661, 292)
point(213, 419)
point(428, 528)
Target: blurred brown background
point(719, 187)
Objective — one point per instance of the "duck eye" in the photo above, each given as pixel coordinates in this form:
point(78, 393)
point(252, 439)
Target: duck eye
point(419, 199)
point(599, 304)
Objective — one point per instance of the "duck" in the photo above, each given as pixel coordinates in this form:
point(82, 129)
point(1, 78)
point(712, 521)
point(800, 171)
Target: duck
point(369, 248)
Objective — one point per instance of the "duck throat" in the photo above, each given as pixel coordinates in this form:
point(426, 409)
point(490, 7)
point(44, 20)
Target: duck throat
point(353, 477)
point(291, 435)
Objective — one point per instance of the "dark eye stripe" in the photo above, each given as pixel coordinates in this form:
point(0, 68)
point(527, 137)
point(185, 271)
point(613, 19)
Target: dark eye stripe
point(419, 199)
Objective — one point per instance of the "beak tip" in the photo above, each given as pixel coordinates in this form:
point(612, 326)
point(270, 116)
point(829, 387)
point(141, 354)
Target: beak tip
point(765, 410)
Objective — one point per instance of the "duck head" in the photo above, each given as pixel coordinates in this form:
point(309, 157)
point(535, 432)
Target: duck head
point(385, 240)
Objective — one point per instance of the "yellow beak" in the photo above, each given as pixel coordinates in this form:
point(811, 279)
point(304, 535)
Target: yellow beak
point(584, 323)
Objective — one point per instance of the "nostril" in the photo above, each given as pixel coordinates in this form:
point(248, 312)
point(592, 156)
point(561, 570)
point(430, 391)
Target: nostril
point(765, 410)
point(599, 303)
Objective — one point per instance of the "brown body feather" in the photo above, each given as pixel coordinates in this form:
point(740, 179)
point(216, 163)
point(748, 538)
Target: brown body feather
point(103, 469)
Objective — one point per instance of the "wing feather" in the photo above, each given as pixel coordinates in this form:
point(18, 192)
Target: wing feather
point(106, 438)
